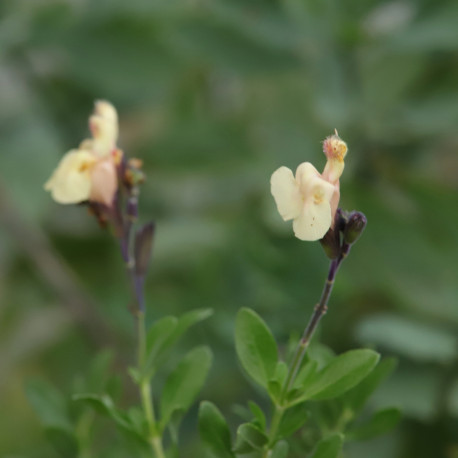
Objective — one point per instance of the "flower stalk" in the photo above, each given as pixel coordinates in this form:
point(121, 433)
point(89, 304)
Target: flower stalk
point(320, 310)
point(136, 271)
point(97, 174)
point(301, 349)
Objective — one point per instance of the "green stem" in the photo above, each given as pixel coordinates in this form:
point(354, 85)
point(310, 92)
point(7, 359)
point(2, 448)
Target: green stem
point(320, 309)
point(83, 433)
point(154, 434)
point(274, 426)
point(301, 349)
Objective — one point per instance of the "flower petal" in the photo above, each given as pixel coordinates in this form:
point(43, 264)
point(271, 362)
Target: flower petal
point(105, 133)
point(104, 182)
point(319, 189)
point(106, 110)
point(335, 201)
point(311, 182)
point(333, 170)
point(314, 221)
point(305, 172)
point(286, 193)
point(70, 183)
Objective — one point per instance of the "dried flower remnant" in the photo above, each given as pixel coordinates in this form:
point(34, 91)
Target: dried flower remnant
point(309, 198)
point(89, 173)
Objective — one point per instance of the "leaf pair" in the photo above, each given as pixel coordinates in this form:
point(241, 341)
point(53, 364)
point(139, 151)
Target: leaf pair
point(215, 434)
point(257, 352)
point(342, 373)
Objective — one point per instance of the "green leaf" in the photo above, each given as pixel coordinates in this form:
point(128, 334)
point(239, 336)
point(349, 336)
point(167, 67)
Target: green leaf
point(156, 339)
point(256, 347)
point(136, 417)
point(63, 441)
point(135, 374)
point(274, 390)
point(380, 423)
point(173, 428)
point(99, 371)
point(341, 374)
point(305, 374)
point(249, 438)
point(49, 404)
point(280, 450)
point(293, 419)
point(329, 447)
point(104, 405)
point(281, 371)
point(260, 418)
point(130, 424)
point(165, 332)
point(214, 430)
point(185, 382)
point(186, 321)
point(357, 397)
point(320, 353)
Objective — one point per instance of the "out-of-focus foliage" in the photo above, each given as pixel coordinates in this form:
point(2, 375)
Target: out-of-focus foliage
point(213, 96)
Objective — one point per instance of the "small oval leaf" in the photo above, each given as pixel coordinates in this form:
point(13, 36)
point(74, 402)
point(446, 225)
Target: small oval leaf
point(329, 447)
point(341, 374)
point(214, 430)
point(249, 438)
point(185, 382)
point(256, 347)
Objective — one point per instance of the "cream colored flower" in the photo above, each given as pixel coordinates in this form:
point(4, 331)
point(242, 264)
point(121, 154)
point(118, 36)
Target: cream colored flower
point(305, 199)
point(309, 198)
point(89, 172)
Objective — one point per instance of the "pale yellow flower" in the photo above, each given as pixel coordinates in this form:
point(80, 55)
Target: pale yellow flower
point(305, 199)
point(311, 199)
point(89, 172)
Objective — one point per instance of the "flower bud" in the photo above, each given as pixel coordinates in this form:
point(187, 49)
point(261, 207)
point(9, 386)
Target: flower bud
point(331, 243)
point(143, 245)
point(354, 227)
point(133, 175)
point(341, 219)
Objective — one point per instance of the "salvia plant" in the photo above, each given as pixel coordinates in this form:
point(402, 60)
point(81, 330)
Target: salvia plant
point(316, 397)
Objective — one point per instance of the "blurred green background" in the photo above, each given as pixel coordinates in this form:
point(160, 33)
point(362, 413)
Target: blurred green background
point(214, 95)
